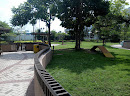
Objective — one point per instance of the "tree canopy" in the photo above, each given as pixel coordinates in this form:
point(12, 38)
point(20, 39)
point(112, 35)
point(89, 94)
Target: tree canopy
point(4, 25)
point(75, 14)
point(33, 10)
point(6, 35)
point(114, 21)
point(22, 15)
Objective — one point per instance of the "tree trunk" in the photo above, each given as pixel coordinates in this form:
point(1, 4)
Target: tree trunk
point(79, 25)
point(49, 31)
point(79, 41)
point(49, 39)
point(77, 38)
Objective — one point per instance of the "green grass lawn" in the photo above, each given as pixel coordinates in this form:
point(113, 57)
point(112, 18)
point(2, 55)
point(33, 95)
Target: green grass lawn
point(91, 74)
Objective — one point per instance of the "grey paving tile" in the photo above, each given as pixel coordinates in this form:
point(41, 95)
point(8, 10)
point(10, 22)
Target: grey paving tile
point(16, 73)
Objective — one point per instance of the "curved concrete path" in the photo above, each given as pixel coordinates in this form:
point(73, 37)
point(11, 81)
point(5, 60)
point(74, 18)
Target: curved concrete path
point(16, 73)
point(55, 44)
point(119, 46)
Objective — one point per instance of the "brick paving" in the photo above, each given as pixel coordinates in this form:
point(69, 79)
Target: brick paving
point(16, 73)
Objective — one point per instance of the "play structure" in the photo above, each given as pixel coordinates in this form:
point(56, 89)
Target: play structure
point(103, 50)
point(41, 34)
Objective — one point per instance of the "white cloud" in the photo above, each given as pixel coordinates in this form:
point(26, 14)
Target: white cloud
point(56, 25)
point(6, 15)
point(15, 3)
point(5, 9)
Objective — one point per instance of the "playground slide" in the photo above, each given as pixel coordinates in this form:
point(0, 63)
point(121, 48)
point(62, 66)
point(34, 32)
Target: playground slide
point(103, 50)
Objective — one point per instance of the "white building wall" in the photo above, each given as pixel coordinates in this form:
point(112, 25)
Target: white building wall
point(22, 37)
point(94, 38)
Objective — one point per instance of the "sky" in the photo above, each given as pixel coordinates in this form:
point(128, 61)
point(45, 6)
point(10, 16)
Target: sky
point(6, 15)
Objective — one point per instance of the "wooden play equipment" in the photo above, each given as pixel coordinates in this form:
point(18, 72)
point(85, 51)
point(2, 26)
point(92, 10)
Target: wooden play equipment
point(41, 34)
point(103, 50)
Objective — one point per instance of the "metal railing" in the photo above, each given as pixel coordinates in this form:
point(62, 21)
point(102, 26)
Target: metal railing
point(49, 85)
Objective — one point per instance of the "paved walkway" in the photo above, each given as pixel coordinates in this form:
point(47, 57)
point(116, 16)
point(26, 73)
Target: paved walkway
point(16, 73)
point(55, 44)
point(119, 46)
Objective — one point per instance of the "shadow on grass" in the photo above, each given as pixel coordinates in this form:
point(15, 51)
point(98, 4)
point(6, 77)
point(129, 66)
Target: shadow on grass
point(78, 61)
point(117, 51)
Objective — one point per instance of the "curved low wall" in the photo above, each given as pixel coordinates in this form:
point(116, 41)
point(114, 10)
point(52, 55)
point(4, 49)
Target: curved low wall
point(44, 83)
point(8, 47)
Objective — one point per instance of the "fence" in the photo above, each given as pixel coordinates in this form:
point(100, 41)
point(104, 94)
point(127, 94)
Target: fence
point(44, 83)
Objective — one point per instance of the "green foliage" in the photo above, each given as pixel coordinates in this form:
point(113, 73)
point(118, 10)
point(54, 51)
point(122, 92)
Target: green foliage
point(53, 35)
point(80, 11)
point(115, 22)
point(58, 36)
point(40, 10)
point(117, 6)
point(22, 15)
point(4, 25)
point(33, 10)
point(75, 14)
point(115, 38)
point(125, 33)
point(6, 36)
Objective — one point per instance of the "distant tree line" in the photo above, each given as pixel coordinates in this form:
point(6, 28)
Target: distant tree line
point(4, 37)
point(115, 25)
point(56, 36)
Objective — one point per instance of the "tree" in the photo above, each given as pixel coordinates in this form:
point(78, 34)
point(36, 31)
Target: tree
point(22, 15)
point(125, 26)
point(125, 31)
point(53, 35)
point(111, 25)
point(6, 35)
point(4, 25)
point(33, 10)
point(75, 14)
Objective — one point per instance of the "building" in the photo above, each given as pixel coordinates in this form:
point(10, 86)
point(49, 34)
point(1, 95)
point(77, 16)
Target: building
point(22, 37)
